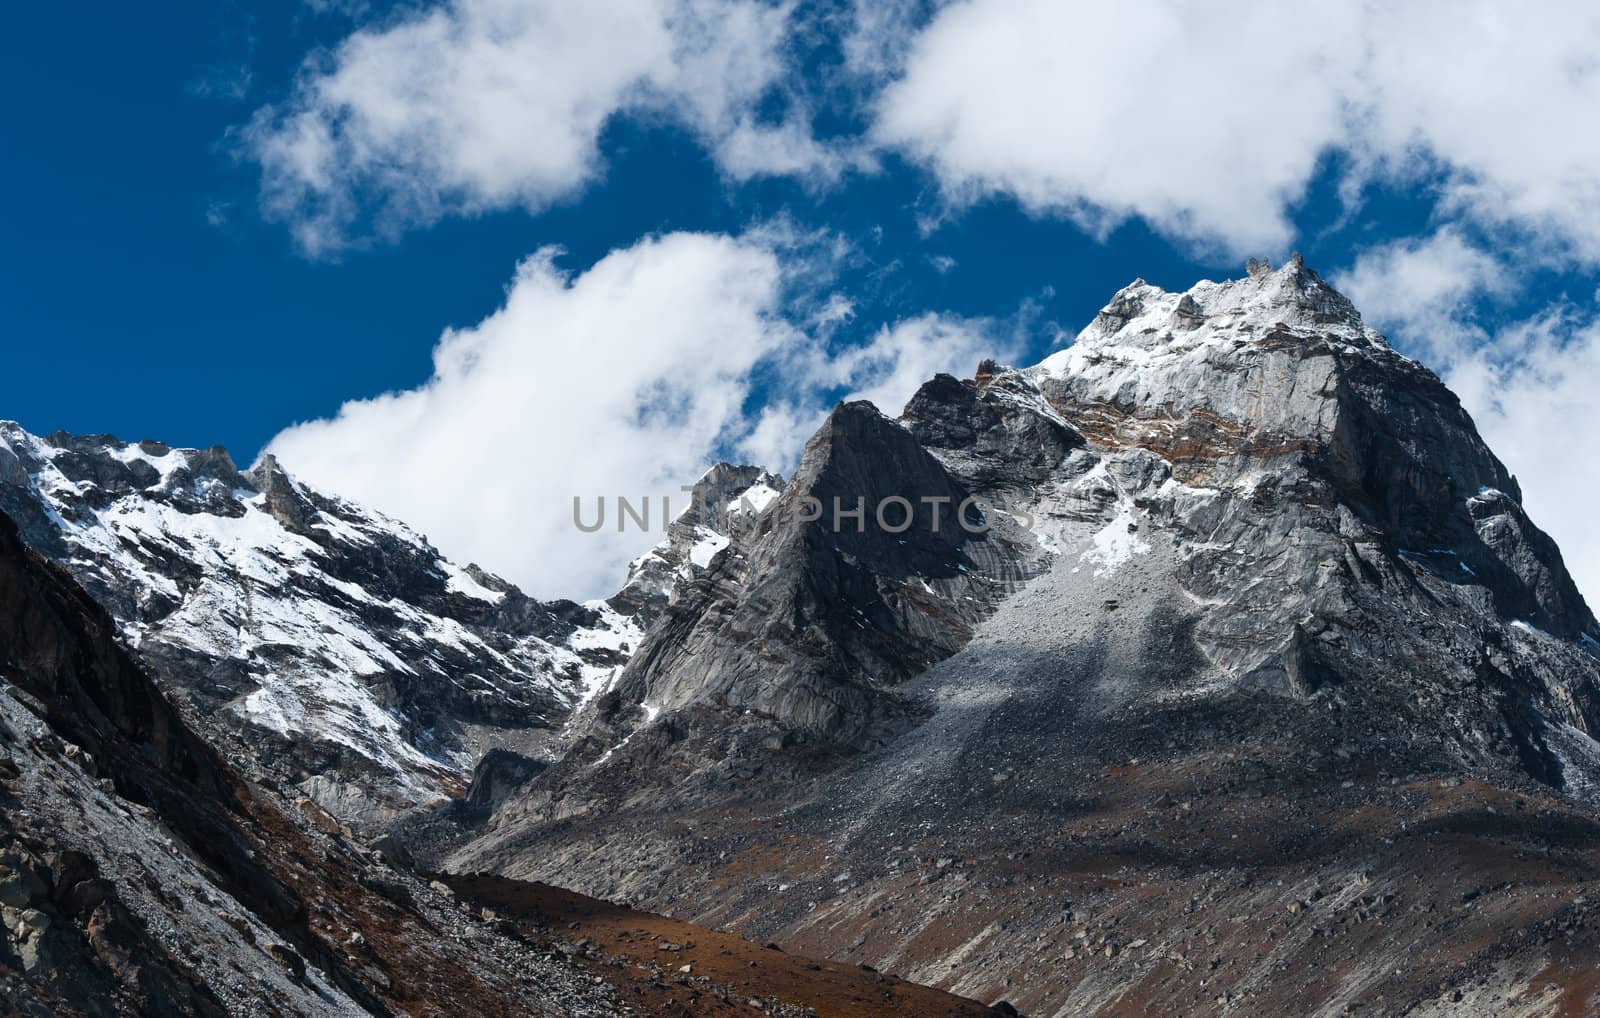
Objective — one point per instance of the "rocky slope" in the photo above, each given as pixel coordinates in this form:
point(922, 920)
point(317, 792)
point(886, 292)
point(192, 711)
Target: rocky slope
point(1260, 693)
point(140, 875)
point(321, 644)
point(814, 621)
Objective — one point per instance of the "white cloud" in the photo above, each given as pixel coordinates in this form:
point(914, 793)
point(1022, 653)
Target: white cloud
point(878, 35)
point(628, 379)
point(1209, 120)
point(616, 382)
point(1427, 289)
point(1099, 112)
point(475, 105)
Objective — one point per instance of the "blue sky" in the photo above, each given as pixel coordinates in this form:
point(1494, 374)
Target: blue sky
point(144, 317)
point(227, 219)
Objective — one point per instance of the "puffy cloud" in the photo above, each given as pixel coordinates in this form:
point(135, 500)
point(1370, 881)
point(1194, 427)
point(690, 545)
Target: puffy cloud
point(1089, 111)
point(473, 105)
point(616, 382)
point(1427, 288)
point(1209, 120)
point(628, 379)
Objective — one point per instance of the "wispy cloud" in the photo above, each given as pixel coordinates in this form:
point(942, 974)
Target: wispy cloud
point(229, 77)
point(475, 105)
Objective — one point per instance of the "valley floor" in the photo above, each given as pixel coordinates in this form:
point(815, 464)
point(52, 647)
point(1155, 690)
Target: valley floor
point(659, 965)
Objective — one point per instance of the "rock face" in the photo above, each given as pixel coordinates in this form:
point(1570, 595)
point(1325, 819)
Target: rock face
point(140, 876)
point(873, 563)
point(316, 643)
point(1259, 648)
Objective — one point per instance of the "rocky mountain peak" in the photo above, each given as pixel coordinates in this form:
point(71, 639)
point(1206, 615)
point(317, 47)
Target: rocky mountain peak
point(1258, 599)
point(1272, 383)
point(1246, 460)
point(94, 468)
point(872, 563)
point(281, 497)
point(1142, 318)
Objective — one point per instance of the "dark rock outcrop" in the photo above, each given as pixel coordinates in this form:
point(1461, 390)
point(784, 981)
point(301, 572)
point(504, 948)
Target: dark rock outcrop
point(874, 563)
point(499, 775)
point(724, 503)
point(991, 432)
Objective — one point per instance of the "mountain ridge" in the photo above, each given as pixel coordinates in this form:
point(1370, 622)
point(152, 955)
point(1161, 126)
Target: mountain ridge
point(326, 646)
point(371, 667)
point(1214, 647)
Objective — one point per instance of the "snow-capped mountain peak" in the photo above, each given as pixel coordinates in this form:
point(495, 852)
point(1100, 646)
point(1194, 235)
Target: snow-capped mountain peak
point(1144, 323)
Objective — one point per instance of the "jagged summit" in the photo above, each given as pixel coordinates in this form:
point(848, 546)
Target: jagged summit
point(1272, 383)
point(814, 619)
point(1143, 322)
point(1253, 425)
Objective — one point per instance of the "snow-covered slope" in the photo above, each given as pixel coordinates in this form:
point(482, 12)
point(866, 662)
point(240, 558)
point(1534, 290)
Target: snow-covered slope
point(332, 647)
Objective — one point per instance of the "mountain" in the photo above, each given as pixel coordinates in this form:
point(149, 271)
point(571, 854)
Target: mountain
point(1234, 680)
point(325, 646)
point(318, 643)
point(1211, 666)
